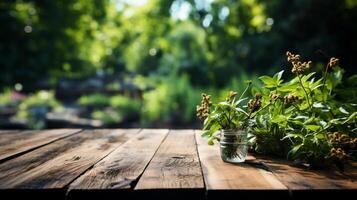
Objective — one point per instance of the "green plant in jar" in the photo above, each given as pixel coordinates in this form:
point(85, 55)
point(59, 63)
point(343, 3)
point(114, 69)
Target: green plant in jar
point(231, 117)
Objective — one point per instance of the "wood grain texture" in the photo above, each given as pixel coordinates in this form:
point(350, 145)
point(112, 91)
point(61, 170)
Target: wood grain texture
point(225, 179)
point(13, 143)
point(154, 164)
point(298, 178)
point(57, 164)
point(175, 164)
point(123, 166)
point(2, 132)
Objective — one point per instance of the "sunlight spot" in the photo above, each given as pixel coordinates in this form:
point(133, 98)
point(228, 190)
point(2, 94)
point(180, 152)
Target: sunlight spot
point(180, 10)
point(44, 95)
point(203, 4)
point(32, 11)
point(28, 29)
point(269, 21)
point(120, 4)
point(18, 87)
point(224, 12)
point(207, 20)
point(152, 52)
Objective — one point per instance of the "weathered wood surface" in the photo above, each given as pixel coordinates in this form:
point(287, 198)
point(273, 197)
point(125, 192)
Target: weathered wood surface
point(159, 163)
point(175, 170)
point(123, 166)
point(13, 143)
point(175, 165)
point(57, 164)
point(222, 178)
point(300, 178)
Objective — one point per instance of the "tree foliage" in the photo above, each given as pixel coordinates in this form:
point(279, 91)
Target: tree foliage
point(212, 41)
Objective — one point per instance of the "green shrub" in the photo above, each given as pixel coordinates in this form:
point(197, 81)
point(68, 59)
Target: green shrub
point(5, 98)
point(107, 117)
point(117, 108)
point(94, 100)
point(173, 100)
point(35, 108)
point(127, 106)
point(302, 118)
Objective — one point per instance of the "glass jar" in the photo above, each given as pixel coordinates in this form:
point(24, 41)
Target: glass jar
point(233, 146)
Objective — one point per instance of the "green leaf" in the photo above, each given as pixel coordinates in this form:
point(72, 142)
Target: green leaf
point(278, 75)
point(313, 127)
point(315, 87)
point(292, 153)
point(280, 119)
point(241, 110)
point(342, 110)
point(224, 103)
point(205, 133)
point(306, 77)
point(288, 88)
point(351, 118)
point(268, 81)
point(211, 141)
point(240, 101)
point(293, 135)
point(323, 123)
point(301, 117)
point(318, 105)
point(319, 136)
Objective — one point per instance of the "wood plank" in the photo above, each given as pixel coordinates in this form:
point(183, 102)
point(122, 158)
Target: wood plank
point(17, 143)
point(175, 165)
point(8, 135)
point(56, 165)
point(175, 171)
point(224, 180)
point(301, 181)
point(4, 131)
point(119, 170)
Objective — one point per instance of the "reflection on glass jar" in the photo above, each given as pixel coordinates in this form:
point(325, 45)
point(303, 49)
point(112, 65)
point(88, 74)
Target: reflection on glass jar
point(233, 146)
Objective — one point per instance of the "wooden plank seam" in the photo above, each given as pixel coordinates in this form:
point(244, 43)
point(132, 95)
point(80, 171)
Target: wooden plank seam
point(91, 167)
point(39, 146)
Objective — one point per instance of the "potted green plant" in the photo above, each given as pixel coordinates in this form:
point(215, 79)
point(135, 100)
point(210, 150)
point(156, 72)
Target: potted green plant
point(227, 121)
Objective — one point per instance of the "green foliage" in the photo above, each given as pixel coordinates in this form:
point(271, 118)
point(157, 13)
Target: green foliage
point(108, 116)
point(126, 106)
point(216, 41)
point(230, 114)
point(112, 109)
point(34, 108)
point(173, 100)
point(214, 47)
point(5, 98)
point(52, 39)
point(94, 100)
point(300, 117)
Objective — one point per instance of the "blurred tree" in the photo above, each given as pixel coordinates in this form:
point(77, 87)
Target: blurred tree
point(42, 38)
point(210, 40)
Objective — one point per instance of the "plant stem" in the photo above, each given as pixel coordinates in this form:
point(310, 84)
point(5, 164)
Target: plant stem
point(323, 84)
point(228, 122)
point(229, 118)
point(307, 96)
point(282, 108)
point(260, 110)
point(296, 107)
point(220, 123)
point(245, 90)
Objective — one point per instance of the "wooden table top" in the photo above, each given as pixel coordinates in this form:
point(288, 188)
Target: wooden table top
point(141, 163)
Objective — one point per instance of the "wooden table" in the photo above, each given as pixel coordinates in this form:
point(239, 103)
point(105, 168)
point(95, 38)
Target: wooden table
point(143, 163)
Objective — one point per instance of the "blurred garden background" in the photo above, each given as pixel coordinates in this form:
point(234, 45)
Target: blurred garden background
point(145, 63)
